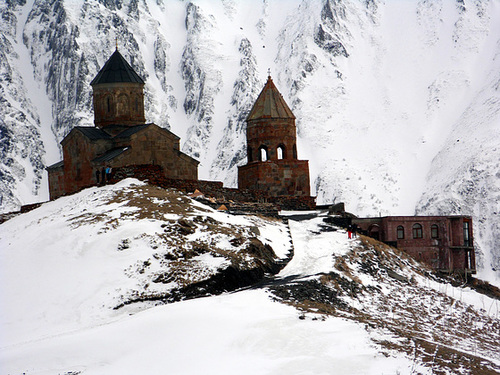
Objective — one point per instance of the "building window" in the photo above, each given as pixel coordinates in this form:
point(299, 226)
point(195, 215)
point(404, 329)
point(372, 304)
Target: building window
point(263, 153)
point(466, 234)
point(434, 231)
point(294, 151)
point(108, 101)
point(400, 232)
point(249, 154)
point(374, 231)
point(280, 152)
point(417, 231)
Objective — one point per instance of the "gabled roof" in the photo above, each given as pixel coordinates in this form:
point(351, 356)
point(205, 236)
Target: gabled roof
point(59, 164)
point(116, 69)
point(137, 128)
point(270, 104)
point(131, 130)
point(111, 154)
point(93, 133)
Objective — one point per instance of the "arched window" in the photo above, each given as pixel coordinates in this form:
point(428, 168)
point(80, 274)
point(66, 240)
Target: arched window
point(400, 232)
point(280, 152)
point(249, 154)
point(417, 231)
point(294, 151)
point(374, 231)
point(263, 153)
point(434, 231)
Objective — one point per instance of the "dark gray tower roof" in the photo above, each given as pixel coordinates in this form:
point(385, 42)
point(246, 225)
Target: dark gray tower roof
point(116, 70)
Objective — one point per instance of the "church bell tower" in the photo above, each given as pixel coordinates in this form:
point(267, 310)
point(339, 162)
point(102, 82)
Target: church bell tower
point(273, 165)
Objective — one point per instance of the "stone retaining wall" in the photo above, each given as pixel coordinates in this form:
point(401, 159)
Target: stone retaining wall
point(239, 200)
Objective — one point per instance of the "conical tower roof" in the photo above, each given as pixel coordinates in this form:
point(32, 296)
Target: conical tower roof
point(270, 104)
point(116, 70)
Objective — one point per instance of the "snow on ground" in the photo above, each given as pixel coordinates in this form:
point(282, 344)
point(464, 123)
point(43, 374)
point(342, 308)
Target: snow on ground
point(242, 333)
point(59, 282)
point(403, 307)
point(67, 264)
point(315, 255)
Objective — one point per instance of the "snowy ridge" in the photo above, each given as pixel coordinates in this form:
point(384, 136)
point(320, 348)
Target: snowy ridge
point(379, 90)
point(231, 150)
point(21, 148)
point(339, 305)
point(471, 185)
point(118, 244)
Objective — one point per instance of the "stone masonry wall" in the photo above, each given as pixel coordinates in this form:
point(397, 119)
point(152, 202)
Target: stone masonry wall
point(277, 177)
point(235, 198)
point(271, 133)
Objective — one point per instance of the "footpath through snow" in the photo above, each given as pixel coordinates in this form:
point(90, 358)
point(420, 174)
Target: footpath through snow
point(313, 248)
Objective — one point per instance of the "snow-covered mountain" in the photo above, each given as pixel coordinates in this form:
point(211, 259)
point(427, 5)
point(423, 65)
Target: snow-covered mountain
point(397, 102)
point(86, 282)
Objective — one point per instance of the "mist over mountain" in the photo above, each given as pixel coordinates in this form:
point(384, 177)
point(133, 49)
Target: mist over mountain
point(397, 102)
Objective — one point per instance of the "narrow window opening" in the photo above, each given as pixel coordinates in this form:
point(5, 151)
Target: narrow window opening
point(466, 234)
point(400, 232)
point(434, 231)
point(263, 153)
point(249, 154)
point(279, 153)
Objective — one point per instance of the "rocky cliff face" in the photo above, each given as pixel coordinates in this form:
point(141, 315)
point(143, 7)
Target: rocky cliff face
point(382, 91)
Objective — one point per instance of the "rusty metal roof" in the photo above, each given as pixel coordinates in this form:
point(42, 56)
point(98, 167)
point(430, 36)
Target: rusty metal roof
point(270, 104)
point(116, 70)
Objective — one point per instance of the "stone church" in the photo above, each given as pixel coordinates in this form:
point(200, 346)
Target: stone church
point(120, 137)
point(272, 164)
